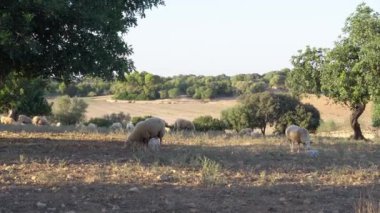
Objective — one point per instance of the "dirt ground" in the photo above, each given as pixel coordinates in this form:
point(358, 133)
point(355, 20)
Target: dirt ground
point(77, 172)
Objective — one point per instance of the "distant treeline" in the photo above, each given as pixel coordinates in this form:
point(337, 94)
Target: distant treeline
point(146, 86)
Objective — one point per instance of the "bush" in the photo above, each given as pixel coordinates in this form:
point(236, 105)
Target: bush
point(24, 96)
point(100, 122)
point(137, 119)
point(207, 123)
point(376, 114)
point(118, 117)
point(69, 110)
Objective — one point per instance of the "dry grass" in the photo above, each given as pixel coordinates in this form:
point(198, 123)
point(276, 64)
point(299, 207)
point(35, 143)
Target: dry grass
point(61, 172)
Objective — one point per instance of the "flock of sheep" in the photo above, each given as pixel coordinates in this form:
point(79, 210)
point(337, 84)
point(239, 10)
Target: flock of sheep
point(151, 131)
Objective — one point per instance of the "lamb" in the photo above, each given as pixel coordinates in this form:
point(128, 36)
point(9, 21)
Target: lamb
point(182, 124)
point(147, 129)
point(40, 120)
point(296, 134)
point(154, 144)
point(23, 119)
point(7, 120)
point(117, 126)
point(130, 127)
point(246, 131)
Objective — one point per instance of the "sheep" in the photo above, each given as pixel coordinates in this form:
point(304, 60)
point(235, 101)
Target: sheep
point(117, 126)
point(130, 127)
point(182, 124)
point(147, 129)
point(23, 119)
point(7, 120)
point(91, 127)
point(296, 134)
point(246, 131)
point(40, 121)
point(154, 144)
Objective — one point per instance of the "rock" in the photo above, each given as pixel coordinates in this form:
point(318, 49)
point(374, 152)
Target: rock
point(133, 189)
point(41, 205)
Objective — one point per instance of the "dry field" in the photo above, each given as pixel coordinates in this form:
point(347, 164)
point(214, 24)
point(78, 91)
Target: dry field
point(58, 169)
point(77, 172)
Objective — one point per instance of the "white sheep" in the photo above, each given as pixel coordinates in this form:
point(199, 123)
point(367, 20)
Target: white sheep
point(299, 135)
point(117, 126)
point(7, 120)
point(154, 144)
point(130, 127)
point(145, 130)
point(23, 119)
point(183, 124)
point(91, 127)
point(40, 121)
point(246, 131)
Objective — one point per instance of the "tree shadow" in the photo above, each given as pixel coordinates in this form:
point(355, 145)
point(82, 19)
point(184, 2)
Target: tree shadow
point(99, 197)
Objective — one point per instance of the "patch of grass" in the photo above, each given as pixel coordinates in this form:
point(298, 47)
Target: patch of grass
point(367, 204)
point(327, 126)
point(210, 172)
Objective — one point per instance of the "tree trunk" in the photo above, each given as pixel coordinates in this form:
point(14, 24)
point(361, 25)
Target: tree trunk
point(357, 111)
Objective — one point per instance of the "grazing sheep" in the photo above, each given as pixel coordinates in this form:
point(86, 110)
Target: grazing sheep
point(117, 126)
point(154, 144)
point(145, 130)
point(23, 119)
point(296, 134)
point(246, 131)
point(7, 120)
point(40, 121)
point(91, 127)
point(130, 127)
point(182, 124)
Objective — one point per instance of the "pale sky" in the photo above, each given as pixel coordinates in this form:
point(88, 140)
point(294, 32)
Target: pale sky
point(212, 37)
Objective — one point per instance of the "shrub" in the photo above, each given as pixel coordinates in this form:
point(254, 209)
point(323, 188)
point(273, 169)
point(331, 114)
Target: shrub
point(137, 119)
point(69, 110)
point(118, 117)
point(376, 114)
point(207, 123)
point(100, 122)
point(24, 95)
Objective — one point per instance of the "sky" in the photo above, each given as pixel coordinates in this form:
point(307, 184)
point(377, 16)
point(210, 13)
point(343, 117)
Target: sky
point(213, 37)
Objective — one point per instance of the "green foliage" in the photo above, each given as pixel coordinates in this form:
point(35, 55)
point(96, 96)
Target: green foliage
point(100, 122)
point(67, 38)
point(263, 109)
point(306, 116)
point(25, 96)
point(173, 93)
point(207, 123)
point(376, 114)
point(237, 117)
point(120, 117)
point(137, 119)
point(68, 110)
point(349, 72)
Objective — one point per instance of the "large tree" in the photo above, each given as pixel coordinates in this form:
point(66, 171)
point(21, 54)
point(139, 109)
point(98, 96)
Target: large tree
point(348, 73)
point(65, 38)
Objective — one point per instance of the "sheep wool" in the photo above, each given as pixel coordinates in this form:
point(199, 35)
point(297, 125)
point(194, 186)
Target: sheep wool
point(23, 119)
point(7, 120)
point(299, 135)
point(145, 130)
point(183, 124)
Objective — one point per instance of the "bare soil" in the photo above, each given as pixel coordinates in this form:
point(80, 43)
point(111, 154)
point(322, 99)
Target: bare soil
point(75, 172)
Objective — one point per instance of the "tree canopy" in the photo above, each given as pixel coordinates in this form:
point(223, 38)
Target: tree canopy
point(64, 38)
point(349, 72)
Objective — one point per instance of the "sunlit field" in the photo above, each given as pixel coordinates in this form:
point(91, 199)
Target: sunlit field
point(94, 172)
